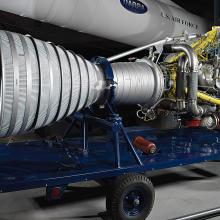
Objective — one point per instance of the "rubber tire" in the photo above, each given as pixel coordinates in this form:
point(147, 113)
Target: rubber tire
point(114, 198)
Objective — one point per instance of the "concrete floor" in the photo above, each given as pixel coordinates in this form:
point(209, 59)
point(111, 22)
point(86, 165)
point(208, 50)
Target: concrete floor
point(179, 191)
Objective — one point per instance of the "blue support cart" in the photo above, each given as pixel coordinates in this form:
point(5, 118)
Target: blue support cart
point(60, 162)
point(57, 163)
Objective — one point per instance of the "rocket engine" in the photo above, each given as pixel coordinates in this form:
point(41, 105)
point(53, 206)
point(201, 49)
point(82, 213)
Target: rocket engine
point(42, 83)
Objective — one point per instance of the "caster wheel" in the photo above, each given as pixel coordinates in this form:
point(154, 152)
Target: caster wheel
point(131, 198)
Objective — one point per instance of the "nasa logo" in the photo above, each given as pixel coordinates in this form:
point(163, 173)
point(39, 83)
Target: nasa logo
point(134, 6)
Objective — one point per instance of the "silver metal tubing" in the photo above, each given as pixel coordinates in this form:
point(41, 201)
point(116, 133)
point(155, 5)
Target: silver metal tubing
point(180, 83)
point(208, 214)
point(136, 50)
point(193, 77)
point(156, 44)
point(180, 93)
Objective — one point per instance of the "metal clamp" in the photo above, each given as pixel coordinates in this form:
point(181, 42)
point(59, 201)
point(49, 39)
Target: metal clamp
point(110, 88)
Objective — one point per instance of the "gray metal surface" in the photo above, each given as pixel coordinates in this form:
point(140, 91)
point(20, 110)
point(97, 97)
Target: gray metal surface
point(193, 76)
point(138, 83)
point(43, 83)
point(28, 82)
point(44, 73)
point(7, 84)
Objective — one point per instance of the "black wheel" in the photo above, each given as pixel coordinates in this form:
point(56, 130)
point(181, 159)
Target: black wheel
point(131, 198)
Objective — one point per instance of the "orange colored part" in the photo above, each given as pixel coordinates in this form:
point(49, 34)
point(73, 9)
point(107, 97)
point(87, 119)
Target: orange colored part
point(144, 145)
point(194, 123)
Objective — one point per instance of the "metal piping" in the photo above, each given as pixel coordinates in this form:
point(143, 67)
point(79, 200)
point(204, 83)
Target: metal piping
point(183, 61)
point(138, 49)
point(193, 77)
point(157, 44)
point(180, 83)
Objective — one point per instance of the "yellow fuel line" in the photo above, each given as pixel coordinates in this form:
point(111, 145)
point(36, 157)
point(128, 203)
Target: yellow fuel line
point(203, 96)
point(209, 38)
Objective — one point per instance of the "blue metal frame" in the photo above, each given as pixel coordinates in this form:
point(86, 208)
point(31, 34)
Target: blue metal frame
point(109, 77)
point(60, 162)
point(114, 123)
point(38, 164)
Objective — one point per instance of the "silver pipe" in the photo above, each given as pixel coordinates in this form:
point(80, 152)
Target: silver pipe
point(180, 83)
point(193, 77)
point(136, 50)
point(182, 65)
point(155, 44)
point(200, 215)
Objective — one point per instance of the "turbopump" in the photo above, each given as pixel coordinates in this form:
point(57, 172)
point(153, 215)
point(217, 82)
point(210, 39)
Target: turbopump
point(42, 83)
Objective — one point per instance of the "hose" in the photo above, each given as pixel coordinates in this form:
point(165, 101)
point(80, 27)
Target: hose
point(193, 77)
point(208, 98)
point(180, 83)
